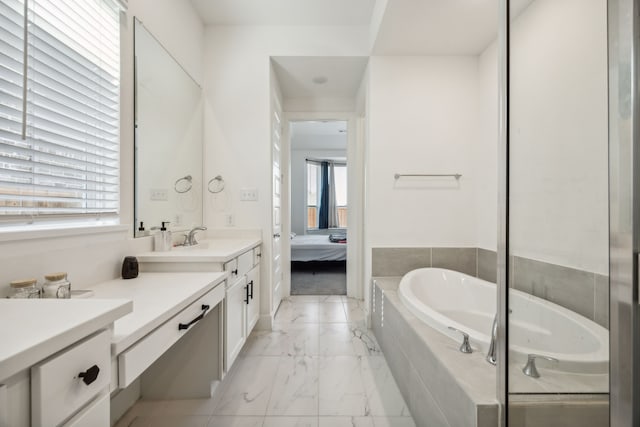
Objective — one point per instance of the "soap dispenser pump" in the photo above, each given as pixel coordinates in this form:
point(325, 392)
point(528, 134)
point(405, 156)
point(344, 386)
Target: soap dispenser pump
point(162, 239)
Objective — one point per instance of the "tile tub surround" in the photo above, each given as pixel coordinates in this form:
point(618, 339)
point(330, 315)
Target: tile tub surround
point(429, 368)
point(442, 386)
point(583, 292)
point(392, 262)
point(318, 367)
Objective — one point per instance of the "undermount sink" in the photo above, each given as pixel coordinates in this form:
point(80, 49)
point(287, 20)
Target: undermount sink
point(202, 245)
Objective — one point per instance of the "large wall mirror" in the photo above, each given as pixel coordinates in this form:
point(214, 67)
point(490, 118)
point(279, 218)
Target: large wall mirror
point(558, 218)
point(168, 138)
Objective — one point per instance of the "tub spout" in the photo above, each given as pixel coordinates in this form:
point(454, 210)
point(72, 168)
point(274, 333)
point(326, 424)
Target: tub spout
point(492, 354)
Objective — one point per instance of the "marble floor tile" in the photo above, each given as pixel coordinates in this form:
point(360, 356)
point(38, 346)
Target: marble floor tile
point(318, 367)
point(331, 312)
point(189, 407)
point(354, 311)
point(345, 422)
point(295, 390)
point(294, 313)
point(266, 343)
point(332, 298)
point(383, 395)
point(290, 422)
point(305, 298)
point(247, 390)
point(363, 341)
point(336, 339)
point(393, 422)
point(173, 421)
point(341, 387)
point(231, 421)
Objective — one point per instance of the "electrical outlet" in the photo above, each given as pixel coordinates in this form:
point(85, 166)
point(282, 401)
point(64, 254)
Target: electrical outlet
point(229, 220)
point(161, 194)
point(249, 194)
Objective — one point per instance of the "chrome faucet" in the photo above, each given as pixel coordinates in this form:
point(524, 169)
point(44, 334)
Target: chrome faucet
point(530, 369)
point(190, 238)
point(492, 354)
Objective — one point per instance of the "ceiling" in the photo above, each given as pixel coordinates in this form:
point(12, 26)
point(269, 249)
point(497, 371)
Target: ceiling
point(296, 73)
point(285, 12)
point(319, 135)
point(437, 27)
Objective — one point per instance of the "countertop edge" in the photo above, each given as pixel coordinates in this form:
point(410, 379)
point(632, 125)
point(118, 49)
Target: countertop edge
point(55, 343)
point(119, 345)
point(175, 256)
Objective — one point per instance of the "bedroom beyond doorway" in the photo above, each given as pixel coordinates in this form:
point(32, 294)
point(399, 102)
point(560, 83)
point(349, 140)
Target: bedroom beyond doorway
point(319, 207)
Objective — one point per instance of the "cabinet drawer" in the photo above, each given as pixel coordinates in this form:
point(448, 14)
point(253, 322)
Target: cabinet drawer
point(96, 414)
point(257, 253)
point(135, 360)
point(245, 263)
point(57, 390)
point(232, 268)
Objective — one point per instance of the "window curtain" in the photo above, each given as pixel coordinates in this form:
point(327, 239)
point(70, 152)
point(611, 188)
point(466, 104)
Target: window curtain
point(332, 211)
point(323, 215)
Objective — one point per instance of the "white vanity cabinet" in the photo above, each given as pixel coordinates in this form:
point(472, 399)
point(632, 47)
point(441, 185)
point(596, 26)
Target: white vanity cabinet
point(74, 381)
point(253, 305)
point(242, 307)
point(240, 258)
point(55, 367)
point(235, 333)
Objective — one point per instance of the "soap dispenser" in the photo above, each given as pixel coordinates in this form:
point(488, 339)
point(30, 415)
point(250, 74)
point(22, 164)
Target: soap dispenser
point(162, 239)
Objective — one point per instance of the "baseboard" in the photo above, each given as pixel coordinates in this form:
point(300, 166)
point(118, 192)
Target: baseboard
point(265, 323)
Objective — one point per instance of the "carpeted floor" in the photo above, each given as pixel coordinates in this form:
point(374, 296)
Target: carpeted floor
point(319, 278)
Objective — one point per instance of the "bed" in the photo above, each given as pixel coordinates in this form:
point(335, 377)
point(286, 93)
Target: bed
point(317, 247)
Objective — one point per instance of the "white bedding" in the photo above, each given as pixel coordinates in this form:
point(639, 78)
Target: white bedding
point(317, 247)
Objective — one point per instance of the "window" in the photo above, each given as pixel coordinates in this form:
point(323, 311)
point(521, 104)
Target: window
point(335, 215)
point(59, 111)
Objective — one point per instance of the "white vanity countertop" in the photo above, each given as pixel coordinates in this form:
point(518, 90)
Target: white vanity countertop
point(211, 250)
point(33, 329)
point(156, 298)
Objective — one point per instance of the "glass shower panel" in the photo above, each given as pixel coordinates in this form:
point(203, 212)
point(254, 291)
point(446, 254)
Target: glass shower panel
point(558, 211)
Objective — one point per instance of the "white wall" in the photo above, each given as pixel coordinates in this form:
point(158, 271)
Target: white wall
point(486, 151)
point(559, 193)
point(299, 181)
point(423, 118)
point(237, 109)
point(96, 257)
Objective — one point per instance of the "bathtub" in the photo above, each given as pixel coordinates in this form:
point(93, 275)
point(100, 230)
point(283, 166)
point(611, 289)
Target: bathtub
point(443, 298)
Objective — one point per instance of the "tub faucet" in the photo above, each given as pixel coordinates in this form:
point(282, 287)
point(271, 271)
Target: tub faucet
point(492, 354)
point(190, 239)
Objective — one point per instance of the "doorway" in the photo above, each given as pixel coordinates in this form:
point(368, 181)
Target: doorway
point(319, 206)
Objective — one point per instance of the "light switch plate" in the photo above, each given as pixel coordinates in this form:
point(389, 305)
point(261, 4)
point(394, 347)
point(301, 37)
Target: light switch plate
point(249, 194)
point(161, 194)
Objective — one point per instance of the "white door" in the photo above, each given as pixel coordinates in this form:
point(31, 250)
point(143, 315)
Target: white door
point(276, 155)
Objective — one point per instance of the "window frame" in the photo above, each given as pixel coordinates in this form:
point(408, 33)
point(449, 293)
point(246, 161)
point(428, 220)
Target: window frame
point(340, 163)
point(33, 226)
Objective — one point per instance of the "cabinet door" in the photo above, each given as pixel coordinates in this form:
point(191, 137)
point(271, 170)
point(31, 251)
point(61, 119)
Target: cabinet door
point(253, 308)
point(235, 317)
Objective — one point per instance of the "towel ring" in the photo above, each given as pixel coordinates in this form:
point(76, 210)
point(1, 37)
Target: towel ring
point(189, 184)
point(216, 184)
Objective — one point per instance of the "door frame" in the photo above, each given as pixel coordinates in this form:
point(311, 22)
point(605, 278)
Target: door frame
point(355, 182)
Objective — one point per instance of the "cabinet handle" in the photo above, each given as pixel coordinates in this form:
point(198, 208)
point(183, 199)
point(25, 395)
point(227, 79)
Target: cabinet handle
point(235, 272)
point(90, 375)
point(247, 297)
point(251, 293)
point(204, 309)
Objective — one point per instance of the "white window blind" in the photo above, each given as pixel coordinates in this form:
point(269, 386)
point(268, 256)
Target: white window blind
point(59, 150)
